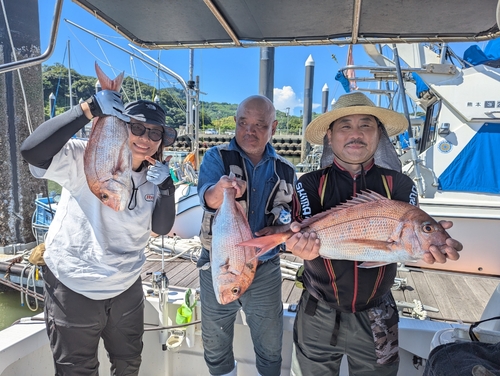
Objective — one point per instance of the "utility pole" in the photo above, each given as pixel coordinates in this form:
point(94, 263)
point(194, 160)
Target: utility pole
point(287, 114)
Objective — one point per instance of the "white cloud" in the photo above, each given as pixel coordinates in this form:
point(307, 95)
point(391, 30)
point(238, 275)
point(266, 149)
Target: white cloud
point(286, 97)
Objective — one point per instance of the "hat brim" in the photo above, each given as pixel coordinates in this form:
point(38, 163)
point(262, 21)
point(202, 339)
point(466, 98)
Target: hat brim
point(394, 122)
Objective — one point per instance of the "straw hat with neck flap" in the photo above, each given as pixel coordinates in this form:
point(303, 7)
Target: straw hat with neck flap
point(391, 123)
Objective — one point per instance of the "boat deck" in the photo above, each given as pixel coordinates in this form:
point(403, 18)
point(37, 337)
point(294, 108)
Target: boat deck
point(445, 295)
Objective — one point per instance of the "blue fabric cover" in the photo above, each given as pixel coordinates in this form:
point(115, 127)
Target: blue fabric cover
point(340, 77)
point(420, 85)
point(477, 167)
point(476, 56)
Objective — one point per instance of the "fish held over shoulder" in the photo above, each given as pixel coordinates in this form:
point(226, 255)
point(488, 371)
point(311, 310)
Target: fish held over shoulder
point(107, 158)
point(369, 228)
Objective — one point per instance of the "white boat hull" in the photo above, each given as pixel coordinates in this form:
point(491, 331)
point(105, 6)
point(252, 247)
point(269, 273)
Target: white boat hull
point(24, 348)
point(188, 212)
point(476, 224)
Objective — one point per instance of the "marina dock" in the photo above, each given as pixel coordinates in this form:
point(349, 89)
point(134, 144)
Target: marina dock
point(444, 295)
point(455, 296)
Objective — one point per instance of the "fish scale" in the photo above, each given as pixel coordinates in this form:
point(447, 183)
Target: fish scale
point(371, 228)
point(233, 266)
point(108, 160)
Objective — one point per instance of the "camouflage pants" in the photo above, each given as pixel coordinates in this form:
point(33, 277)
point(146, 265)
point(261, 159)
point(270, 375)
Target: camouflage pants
point(369, 339)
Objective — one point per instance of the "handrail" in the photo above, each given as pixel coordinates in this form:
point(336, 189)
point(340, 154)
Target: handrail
point(48, 52)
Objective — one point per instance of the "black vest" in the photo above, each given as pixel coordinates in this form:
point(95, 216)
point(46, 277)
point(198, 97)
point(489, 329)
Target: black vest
point(280, 198)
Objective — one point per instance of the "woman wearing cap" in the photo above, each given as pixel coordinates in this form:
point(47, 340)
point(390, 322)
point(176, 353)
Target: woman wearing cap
point(94, 255)
point(345, 309)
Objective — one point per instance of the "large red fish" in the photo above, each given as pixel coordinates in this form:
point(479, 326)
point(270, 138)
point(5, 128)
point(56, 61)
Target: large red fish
point(233, 266)
point(369, 228)
point(107, 158)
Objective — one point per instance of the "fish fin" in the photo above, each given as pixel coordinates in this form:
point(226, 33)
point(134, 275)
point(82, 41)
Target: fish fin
point(362, 198)
point(227, 269)
point(259, 252)
point(106, 82)
point(233, 271)
point(265, 243)
point(373, 264)
point(374, 244)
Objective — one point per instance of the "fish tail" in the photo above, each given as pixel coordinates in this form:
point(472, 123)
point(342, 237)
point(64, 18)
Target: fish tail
point(106, 82)
point(265, 243)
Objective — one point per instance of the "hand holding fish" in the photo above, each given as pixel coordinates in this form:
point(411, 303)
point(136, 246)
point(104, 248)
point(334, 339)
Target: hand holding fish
point(448, 251)
point(107, 103)
point(303, 244)
point(158, 172)
point(214, 195)
point(368, 228)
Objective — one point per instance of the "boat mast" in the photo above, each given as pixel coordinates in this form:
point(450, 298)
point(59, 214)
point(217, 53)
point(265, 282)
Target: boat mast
point(69, 78)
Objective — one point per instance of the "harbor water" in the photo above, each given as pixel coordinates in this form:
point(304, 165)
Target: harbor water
point(11, 308)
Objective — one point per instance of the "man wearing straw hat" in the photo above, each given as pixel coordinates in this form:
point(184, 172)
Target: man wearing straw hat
point(345, 309)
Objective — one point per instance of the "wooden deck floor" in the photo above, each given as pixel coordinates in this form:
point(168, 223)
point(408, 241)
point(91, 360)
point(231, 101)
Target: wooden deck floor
point(456, 296)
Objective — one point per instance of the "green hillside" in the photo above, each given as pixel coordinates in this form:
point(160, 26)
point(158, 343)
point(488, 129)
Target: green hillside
point(213, 115)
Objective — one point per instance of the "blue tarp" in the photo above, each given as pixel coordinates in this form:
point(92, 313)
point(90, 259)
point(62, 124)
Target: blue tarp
point(420, 85)
point(475, 56)
point(340, 77)
point(477, 167)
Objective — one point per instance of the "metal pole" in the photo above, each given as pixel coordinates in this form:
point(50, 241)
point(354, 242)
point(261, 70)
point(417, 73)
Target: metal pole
point(52, 103)
point(197, 124)
point(287, 114)
point(10, 66)
point(413, 149)
point(324, 98)
point(308, 96)
point(69, 79)
point(266, 74)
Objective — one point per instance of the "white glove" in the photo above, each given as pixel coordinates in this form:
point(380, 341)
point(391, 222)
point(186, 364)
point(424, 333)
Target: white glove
point(158, 173)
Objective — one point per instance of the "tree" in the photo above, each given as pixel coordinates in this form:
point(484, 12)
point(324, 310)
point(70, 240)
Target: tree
point(173, 100)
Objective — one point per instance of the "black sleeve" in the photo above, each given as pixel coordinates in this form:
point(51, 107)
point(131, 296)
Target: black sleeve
point(49, 137)
point(307, 195)
point(404, 189)
point(164, 211)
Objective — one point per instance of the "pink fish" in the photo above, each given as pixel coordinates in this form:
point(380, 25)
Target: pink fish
point(369, 228)
point(107, 158)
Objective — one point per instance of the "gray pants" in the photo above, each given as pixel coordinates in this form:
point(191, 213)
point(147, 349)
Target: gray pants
point(323, 335)
point(264, 314)
point(76, 323)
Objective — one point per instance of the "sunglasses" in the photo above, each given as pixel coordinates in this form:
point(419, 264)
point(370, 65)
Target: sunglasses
point(138, 129)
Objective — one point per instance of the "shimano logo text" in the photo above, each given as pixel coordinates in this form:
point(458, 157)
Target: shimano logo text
point(304, 201)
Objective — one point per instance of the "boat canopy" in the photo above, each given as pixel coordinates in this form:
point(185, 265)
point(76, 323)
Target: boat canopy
point(168, 24)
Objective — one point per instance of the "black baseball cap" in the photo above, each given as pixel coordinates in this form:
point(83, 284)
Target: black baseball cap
point(152, 113)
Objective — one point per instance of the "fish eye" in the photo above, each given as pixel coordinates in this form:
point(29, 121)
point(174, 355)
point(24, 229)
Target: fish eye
point(235, 290)
point(104, 197)
point(427, 228)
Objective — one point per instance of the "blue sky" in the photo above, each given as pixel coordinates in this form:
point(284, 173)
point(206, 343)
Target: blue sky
point(226, 75)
